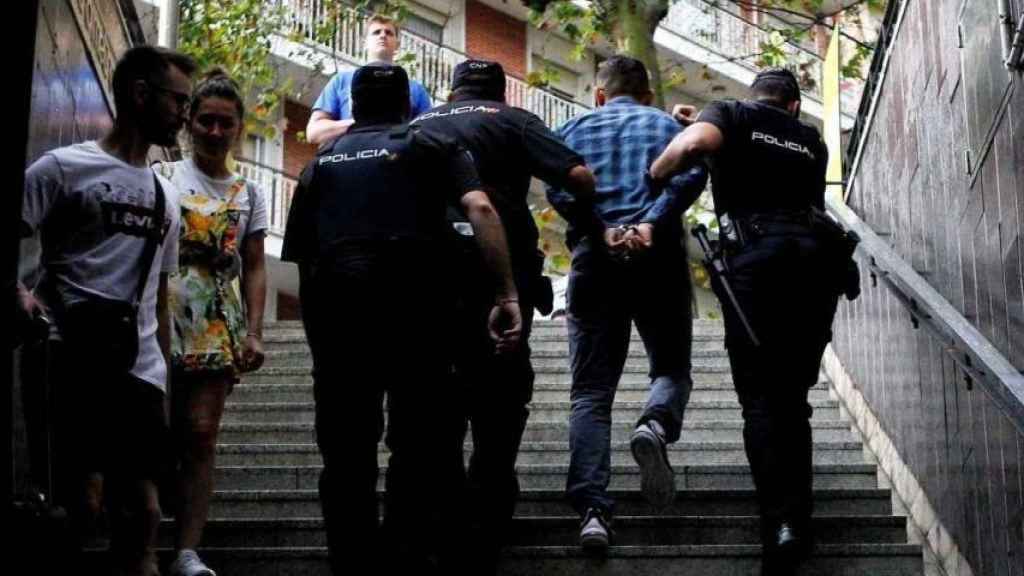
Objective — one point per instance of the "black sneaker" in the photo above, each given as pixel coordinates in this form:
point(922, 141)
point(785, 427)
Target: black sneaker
point(657, 480)
point(594, 531)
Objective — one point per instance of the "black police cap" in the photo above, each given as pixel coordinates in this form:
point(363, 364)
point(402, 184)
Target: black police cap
point(379, 80)
point(480, 75)
point(779, 76)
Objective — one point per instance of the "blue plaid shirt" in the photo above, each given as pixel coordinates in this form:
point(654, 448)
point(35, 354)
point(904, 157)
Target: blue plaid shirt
point(619, 141)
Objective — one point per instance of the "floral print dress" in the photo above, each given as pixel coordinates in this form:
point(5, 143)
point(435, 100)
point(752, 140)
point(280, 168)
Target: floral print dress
point(204, 295)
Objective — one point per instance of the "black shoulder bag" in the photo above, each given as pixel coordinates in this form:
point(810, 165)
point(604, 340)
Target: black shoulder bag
point(105, 330)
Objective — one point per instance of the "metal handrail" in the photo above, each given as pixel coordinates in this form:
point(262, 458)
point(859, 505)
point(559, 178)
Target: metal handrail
point(974, 355)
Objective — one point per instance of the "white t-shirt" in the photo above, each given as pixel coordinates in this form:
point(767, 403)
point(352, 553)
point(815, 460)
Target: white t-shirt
point(252, 205)
point(92, 211)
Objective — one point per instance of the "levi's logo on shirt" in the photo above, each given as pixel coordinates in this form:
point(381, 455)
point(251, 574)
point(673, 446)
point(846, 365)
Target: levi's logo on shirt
point(129, 219)
point(124, 211)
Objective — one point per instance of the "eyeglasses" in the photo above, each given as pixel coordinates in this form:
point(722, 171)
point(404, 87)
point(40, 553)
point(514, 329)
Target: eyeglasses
point(182, 99)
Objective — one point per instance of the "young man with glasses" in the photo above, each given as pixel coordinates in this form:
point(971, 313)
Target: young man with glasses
point(109, 230)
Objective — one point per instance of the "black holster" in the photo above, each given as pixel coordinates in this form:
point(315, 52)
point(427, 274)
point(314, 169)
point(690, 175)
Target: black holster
point(838, 244)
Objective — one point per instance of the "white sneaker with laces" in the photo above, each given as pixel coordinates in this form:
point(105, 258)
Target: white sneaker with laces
point(594, 532)
point(188, 564)
point(657, 480)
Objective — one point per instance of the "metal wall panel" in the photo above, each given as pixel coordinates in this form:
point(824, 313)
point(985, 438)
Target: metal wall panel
point(961, 231)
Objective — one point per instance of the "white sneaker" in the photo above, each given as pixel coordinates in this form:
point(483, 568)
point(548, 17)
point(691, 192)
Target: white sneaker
point(657, 480)
point(594, 532)
point(188, 564)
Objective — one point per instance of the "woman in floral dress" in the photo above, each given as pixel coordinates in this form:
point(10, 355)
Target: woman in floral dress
point(216, 299)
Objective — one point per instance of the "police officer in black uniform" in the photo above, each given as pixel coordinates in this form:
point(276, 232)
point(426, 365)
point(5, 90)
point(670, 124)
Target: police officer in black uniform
point(768, 177)
point(508, 145)
point(367, 228)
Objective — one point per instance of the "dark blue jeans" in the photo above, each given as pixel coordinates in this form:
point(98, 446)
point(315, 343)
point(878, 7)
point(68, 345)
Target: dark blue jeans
point(605, 297)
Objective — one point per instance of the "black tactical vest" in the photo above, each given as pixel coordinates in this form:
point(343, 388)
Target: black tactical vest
point(376, 184)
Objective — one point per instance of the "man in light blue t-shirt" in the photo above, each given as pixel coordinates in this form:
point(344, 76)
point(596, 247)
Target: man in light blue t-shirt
point(332, 112)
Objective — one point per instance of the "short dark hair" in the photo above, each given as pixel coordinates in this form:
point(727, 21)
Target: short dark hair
point(775, 85)
point(149, 63)
point(622, 75)
point(217, 84)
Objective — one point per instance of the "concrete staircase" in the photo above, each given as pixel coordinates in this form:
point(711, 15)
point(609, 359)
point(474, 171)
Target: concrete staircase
point(265, 518)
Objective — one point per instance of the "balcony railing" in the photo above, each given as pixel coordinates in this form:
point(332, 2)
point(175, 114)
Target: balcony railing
point(432, 63)
point(278, 188)
point(739, 40)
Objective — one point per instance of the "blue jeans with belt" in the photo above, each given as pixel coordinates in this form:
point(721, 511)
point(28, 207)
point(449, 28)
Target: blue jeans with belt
point(605, 296)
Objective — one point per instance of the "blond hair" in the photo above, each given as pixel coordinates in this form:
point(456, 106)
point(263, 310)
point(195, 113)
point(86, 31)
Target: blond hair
point(382, 19)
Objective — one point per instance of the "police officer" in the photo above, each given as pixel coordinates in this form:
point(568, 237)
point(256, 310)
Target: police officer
point(508, 145)
point(367, 228)
point(768, 176)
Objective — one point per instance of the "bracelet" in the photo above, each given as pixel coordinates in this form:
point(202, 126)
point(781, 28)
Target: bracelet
point(506, 300)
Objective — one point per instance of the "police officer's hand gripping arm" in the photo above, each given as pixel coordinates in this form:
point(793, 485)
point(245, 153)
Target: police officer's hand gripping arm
point(699, 139)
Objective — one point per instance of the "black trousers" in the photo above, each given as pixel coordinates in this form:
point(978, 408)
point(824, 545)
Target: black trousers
point(375, 321)
point(779, 284)
point(494, 391)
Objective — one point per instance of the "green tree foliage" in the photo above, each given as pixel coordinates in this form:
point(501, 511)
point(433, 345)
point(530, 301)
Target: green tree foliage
point(629, 26)
point(236, 35)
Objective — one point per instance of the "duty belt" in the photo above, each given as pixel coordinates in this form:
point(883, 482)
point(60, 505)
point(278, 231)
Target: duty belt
point(748, 229)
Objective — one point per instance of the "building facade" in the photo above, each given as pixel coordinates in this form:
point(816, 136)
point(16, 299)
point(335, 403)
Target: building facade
point(710, 47)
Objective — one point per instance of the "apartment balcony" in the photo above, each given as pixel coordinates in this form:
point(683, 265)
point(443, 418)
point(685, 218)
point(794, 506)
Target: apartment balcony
point(693, 32)
point(432, 64)
point(729, 44)
point(278, 188)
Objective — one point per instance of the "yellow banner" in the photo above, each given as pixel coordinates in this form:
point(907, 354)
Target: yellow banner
point(833, 119)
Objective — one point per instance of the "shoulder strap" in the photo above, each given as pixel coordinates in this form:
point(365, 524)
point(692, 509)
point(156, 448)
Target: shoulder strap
point(153, 239)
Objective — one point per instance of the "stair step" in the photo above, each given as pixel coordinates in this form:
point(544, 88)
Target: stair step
point(706, 560)
point(704, 346)
point(695, 410)
point(564, 531)
point(560, 377)
point(306, 503)
point(539, 340)
point(633, 392)
point(700, 326)
point(552, 477)
point(550, 364)
point(539, 411)
point(694, 431)
point(545, 350)
point(679, 454)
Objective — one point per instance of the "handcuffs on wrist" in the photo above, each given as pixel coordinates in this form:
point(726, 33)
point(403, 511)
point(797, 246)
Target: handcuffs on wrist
point(624, 229)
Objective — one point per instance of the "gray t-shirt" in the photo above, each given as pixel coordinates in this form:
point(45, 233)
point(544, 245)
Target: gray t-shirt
point(91, 210)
